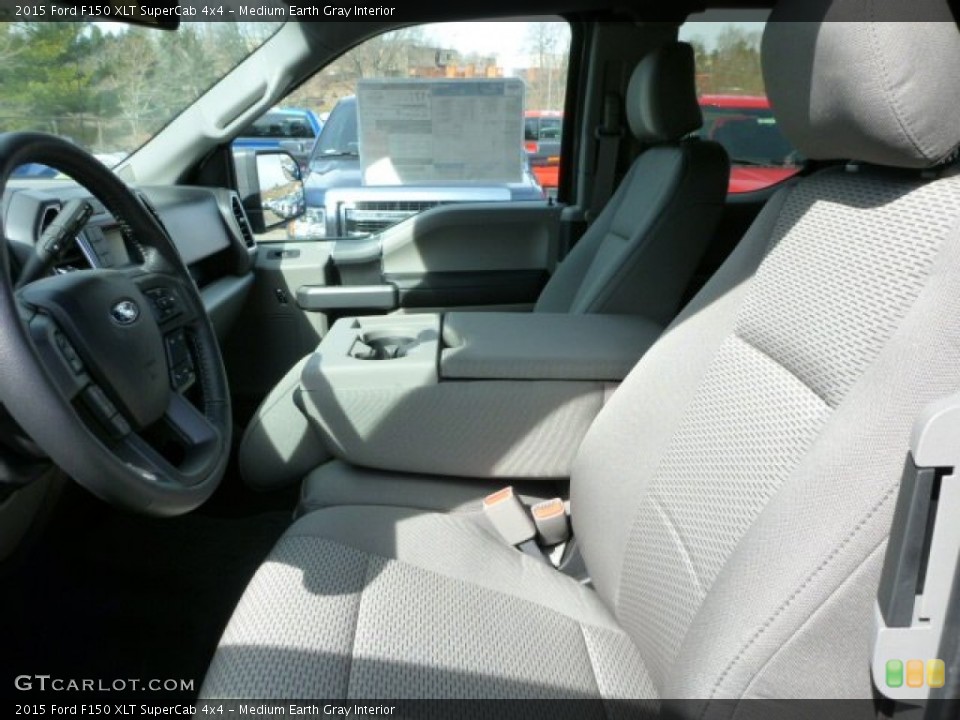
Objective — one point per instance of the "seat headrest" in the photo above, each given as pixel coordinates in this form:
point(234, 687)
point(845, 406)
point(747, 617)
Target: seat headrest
point(662, 96)
point(856, 80)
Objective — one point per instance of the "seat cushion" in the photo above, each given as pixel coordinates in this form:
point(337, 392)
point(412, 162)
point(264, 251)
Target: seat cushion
point(377, 602)
point(337, 483)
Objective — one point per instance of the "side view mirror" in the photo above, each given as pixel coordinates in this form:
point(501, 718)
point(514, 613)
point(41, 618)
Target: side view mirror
point(270, 186)
point(281, 188)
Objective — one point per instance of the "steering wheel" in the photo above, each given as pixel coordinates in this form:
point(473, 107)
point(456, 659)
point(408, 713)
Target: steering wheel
point(116, 374)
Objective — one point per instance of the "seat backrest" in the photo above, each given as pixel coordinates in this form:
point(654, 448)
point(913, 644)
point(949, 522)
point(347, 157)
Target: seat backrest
point(640, 253)
point(734, 497)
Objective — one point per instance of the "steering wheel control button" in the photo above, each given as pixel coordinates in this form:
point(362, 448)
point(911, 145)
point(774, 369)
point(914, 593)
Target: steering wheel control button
point(177, 350)
point(99, 404)
point(165, 303)
point(183, 377)
point(119, 427)
point(105, 411)
point(182, 373)
point(69, 353)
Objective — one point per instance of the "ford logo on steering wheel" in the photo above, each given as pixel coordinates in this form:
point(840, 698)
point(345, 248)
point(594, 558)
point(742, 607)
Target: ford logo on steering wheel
point(125, 312)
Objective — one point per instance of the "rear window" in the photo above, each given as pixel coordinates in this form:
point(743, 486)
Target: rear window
point(280, 125)
point(736, 111)
point(750, 135)
point(547, 128)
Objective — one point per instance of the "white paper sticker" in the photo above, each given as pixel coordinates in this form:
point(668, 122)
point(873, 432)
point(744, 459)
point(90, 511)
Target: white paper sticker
point(437, 132)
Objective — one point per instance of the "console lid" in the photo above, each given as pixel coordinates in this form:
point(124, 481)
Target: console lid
point(543, 346)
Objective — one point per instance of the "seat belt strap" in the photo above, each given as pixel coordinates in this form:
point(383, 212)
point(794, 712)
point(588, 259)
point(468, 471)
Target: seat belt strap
point(608, 136)
point(915, 653)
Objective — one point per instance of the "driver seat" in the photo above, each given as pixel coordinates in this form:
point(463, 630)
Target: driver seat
point(733, 499)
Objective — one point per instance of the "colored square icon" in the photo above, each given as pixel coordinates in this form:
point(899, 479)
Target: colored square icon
point(935, 673)
point(894, 673)
point(915, 673)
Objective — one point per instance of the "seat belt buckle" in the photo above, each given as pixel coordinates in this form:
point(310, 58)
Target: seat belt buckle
point(550, 518)
point(509, 517)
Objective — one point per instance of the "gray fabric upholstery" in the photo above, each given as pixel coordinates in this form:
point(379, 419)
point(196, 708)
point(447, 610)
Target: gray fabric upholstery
point(375, 602)
point(481, 429)
point(337, 483)
point(640, 253)
point(661, 102)
point(750, 462)
point(545, 346)
point(880, 91)
point(279, 445)
point(732, 500)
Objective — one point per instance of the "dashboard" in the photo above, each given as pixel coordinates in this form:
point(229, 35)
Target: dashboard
point(208, 226)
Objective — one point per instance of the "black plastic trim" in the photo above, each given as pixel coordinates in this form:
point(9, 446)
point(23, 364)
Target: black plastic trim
point(452, 289)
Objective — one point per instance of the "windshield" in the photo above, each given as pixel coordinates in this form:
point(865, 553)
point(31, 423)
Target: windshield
point(108, 87)
point(339, 134)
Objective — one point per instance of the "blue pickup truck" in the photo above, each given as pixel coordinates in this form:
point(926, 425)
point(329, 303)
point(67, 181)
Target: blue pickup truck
point(338, 204)
point(292, 129)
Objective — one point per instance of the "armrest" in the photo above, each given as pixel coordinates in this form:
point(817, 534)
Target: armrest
point(543, 346)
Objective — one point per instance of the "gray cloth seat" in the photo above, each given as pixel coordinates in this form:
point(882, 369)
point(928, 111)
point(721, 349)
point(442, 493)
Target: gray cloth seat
point(506, 625)
point(338, 483)
point(638, 256)
point(734, 497)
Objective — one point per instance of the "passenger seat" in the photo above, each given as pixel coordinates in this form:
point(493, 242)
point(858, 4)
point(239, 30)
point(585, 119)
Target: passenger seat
point(640, 253)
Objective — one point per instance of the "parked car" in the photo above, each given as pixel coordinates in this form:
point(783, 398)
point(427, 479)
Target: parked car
point(541, 138)
point(744, 124)
point(760, 155)
point(338, 204)
point(292, 129)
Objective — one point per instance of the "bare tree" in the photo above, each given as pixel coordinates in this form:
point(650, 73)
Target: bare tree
point(392, 54)
point(549, 46)
point(129, 64)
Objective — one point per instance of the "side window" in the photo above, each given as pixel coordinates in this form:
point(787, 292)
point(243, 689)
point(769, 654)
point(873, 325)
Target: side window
point(428, 115)
point(736, 111)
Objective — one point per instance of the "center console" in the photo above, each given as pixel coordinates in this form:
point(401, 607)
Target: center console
point(488, 395)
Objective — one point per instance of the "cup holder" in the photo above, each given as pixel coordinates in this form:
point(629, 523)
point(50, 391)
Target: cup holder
point(382, 345)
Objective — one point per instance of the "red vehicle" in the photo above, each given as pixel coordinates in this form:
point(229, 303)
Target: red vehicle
point(541, 138)
point(744, 124)
point(759, 153)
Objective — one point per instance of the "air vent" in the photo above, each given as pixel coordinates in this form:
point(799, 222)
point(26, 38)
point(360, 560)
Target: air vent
point(241, 216)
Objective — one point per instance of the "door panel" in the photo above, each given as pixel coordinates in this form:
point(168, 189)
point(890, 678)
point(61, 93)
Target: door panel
point(491, 254)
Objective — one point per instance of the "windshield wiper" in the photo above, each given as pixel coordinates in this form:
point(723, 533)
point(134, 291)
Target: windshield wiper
point(338, 153)
point(755, 163)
